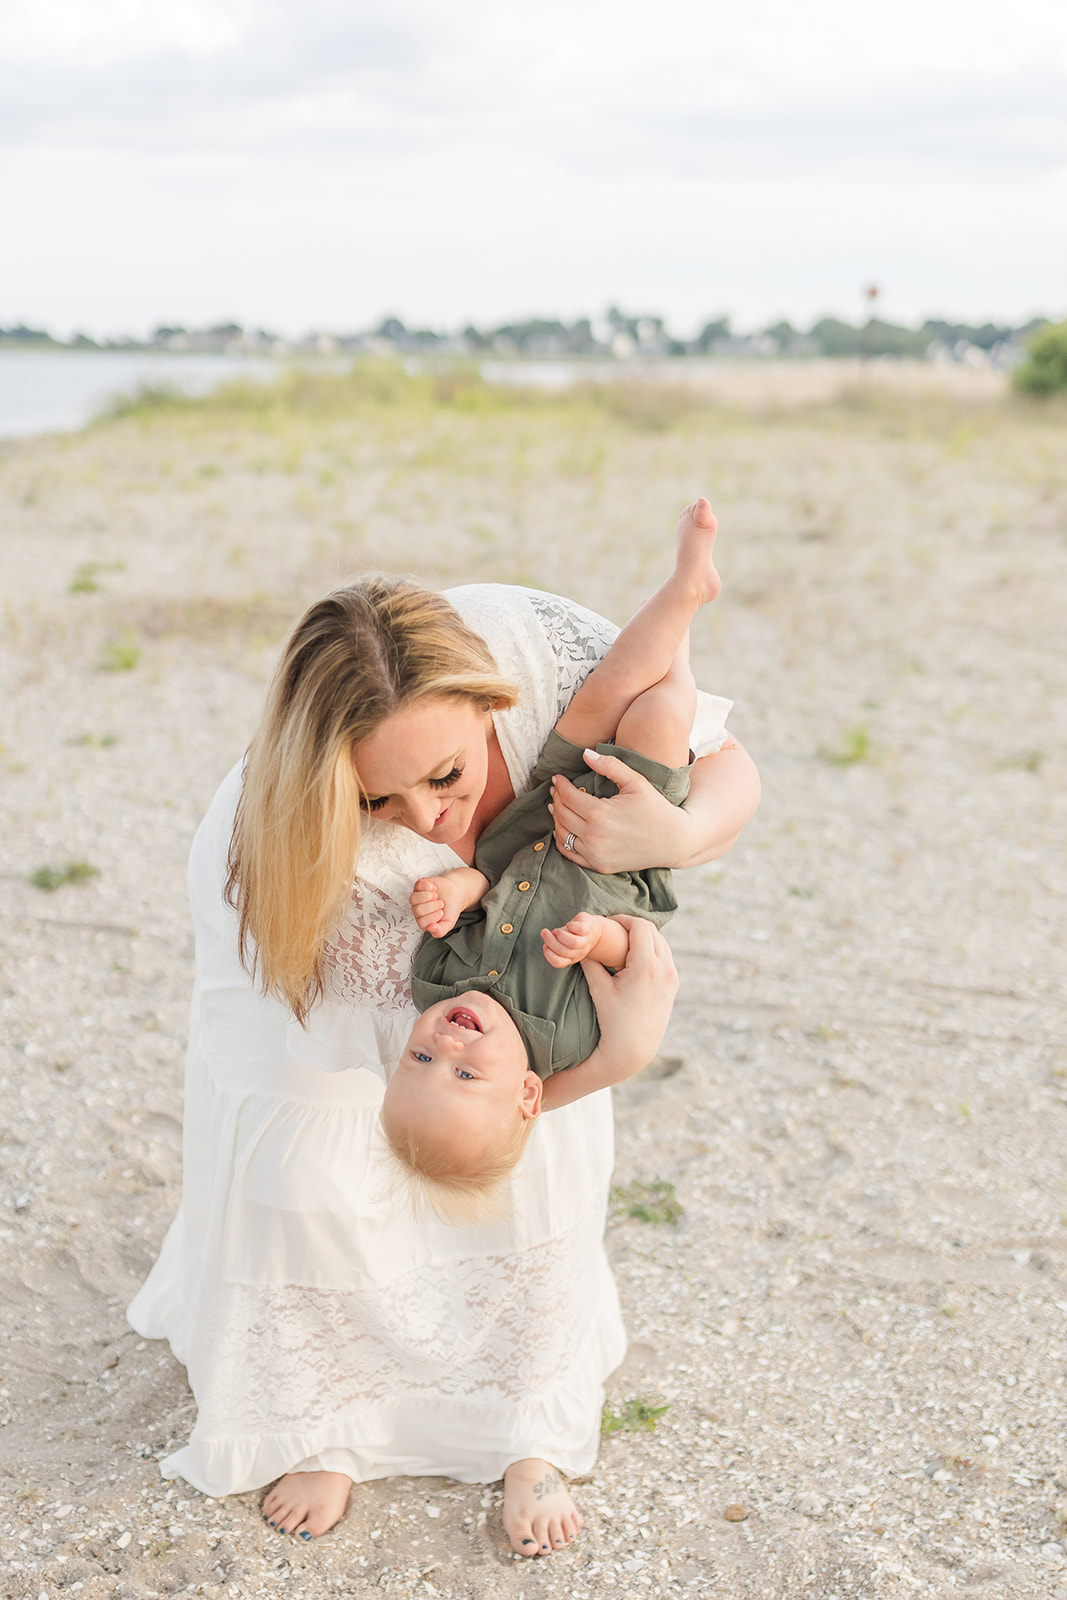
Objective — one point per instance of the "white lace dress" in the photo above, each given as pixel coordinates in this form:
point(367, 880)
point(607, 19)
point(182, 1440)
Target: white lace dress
point(320, 1325)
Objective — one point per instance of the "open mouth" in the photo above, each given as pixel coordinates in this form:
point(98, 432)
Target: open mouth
point(462, 1018)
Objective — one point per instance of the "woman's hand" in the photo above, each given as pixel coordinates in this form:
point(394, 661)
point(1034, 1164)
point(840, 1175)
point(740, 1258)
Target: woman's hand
point(634, 1006)
point(638, 828)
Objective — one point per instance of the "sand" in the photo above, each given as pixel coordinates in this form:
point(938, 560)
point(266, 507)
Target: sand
point(858, 1321)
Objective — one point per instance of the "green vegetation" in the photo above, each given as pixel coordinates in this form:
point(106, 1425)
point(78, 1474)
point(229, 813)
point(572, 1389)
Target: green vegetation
point(52, 878)
point(1044, 372)
point(95, 741)
point(648, 1202)
point(85, 575)
point(374, 384)
point(854, 745)
point(639, 1414)
point(119, 655)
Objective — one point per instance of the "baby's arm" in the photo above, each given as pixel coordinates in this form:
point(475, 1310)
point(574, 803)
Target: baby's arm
point(587, 937)
point(438, 902)
point(633, 1008)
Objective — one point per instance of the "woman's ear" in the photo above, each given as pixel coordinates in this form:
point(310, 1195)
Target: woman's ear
point(530, 1099)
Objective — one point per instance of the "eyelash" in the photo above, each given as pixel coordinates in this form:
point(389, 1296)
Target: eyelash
point(435, 783)
point(448, 780)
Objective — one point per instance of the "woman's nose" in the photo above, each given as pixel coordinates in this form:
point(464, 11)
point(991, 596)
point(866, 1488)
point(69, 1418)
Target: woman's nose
point(419, 813)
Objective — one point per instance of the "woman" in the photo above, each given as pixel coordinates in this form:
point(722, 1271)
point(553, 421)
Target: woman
point(329, 1337)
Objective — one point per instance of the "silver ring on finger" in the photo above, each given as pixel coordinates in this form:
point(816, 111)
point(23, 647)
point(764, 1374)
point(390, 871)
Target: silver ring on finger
point(569, 842)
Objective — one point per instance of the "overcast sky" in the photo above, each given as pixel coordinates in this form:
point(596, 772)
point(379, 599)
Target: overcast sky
point(320, 163)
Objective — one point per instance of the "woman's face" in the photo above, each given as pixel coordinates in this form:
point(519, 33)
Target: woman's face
point(426, 768)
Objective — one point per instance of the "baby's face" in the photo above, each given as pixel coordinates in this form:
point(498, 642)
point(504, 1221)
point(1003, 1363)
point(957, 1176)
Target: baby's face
point(464, 1071)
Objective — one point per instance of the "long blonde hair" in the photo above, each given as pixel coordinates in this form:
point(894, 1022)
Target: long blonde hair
point(354, 659)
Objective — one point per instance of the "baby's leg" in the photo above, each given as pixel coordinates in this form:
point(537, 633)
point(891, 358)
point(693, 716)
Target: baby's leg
point(645, 649)
point(658, 723)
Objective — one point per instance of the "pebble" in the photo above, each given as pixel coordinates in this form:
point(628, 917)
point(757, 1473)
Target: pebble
point(1052, 1552)
point(811, 1505)
point(735, 1513)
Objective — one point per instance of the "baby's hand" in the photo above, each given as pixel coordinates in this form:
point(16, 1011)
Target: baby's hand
point(437, 903)
point(566, 946)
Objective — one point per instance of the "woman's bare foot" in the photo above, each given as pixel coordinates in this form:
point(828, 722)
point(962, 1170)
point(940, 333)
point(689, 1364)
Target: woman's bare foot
point(539, 1514)
point(697, 528)
point(307, 1503)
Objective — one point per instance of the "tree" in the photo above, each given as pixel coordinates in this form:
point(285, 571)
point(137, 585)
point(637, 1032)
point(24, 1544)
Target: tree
point(1044, 371)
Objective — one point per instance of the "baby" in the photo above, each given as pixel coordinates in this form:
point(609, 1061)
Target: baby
point(508, 1026)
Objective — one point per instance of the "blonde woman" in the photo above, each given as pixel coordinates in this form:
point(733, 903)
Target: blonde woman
point(329, 1337)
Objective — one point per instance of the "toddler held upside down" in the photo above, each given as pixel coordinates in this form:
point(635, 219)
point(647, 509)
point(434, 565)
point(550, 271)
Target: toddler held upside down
point(509, 1024)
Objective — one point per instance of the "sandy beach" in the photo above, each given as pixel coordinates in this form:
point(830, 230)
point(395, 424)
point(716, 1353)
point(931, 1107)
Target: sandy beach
point(850, 1288)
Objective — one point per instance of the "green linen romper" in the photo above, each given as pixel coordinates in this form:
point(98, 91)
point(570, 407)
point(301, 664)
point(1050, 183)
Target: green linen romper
point(496, 947)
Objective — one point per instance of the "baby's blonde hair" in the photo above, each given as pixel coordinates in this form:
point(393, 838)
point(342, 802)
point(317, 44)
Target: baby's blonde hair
point(434, 1177)
point(353, 660)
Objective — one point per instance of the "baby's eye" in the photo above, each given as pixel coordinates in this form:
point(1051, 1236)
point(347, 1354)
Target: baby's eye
point(420, 1055)
point(461, 1072)
point(448, 780)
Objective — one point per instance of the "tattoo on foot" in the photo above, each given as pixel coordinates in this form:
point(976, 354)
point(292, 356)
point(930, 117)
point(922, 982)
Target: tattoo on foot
point(548, 1485)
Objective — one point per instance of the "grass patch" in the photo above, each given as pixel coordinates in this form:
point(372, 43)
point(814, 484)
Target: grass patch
point(52, 878)
point(854, 745)
point(648, 1202)
point(640, 1414)
point(85, 576)
point(95, 741)
point(119, 655)
point(380, 384)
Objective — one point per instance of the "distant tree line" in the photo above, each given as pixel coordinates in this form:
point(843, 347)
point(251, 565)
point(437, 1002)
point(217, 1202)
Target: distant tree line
point(615, 335)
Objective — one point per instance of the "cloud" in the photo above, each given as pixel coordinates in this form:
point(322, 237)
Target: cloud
point(765, 88)
point(232, 74)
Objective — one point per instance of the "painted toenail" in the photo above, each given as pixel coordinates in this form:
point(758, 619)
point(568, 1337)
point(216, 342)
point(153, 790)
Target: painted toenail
point(527, 1541)
point(280, 1530)
point(274, 1524)
point(305, 1536)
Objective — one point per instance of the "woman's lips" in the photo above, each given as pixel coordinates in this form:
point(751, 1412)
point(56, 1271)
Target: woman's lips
point(462, 1018)
point(442, 815)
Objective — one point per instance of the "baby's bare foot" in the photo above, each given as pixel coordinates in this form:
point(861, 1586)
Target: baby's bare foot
point(307, 1503)
point(539, 1514)
point(697, 528)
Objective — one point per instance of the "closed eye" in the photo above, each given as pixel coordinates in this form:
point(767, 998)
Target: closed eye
point(448, 780)
point(435, 783)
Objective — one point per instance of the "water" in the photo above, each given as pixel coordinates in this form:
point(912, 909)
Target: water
point(59, 391)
